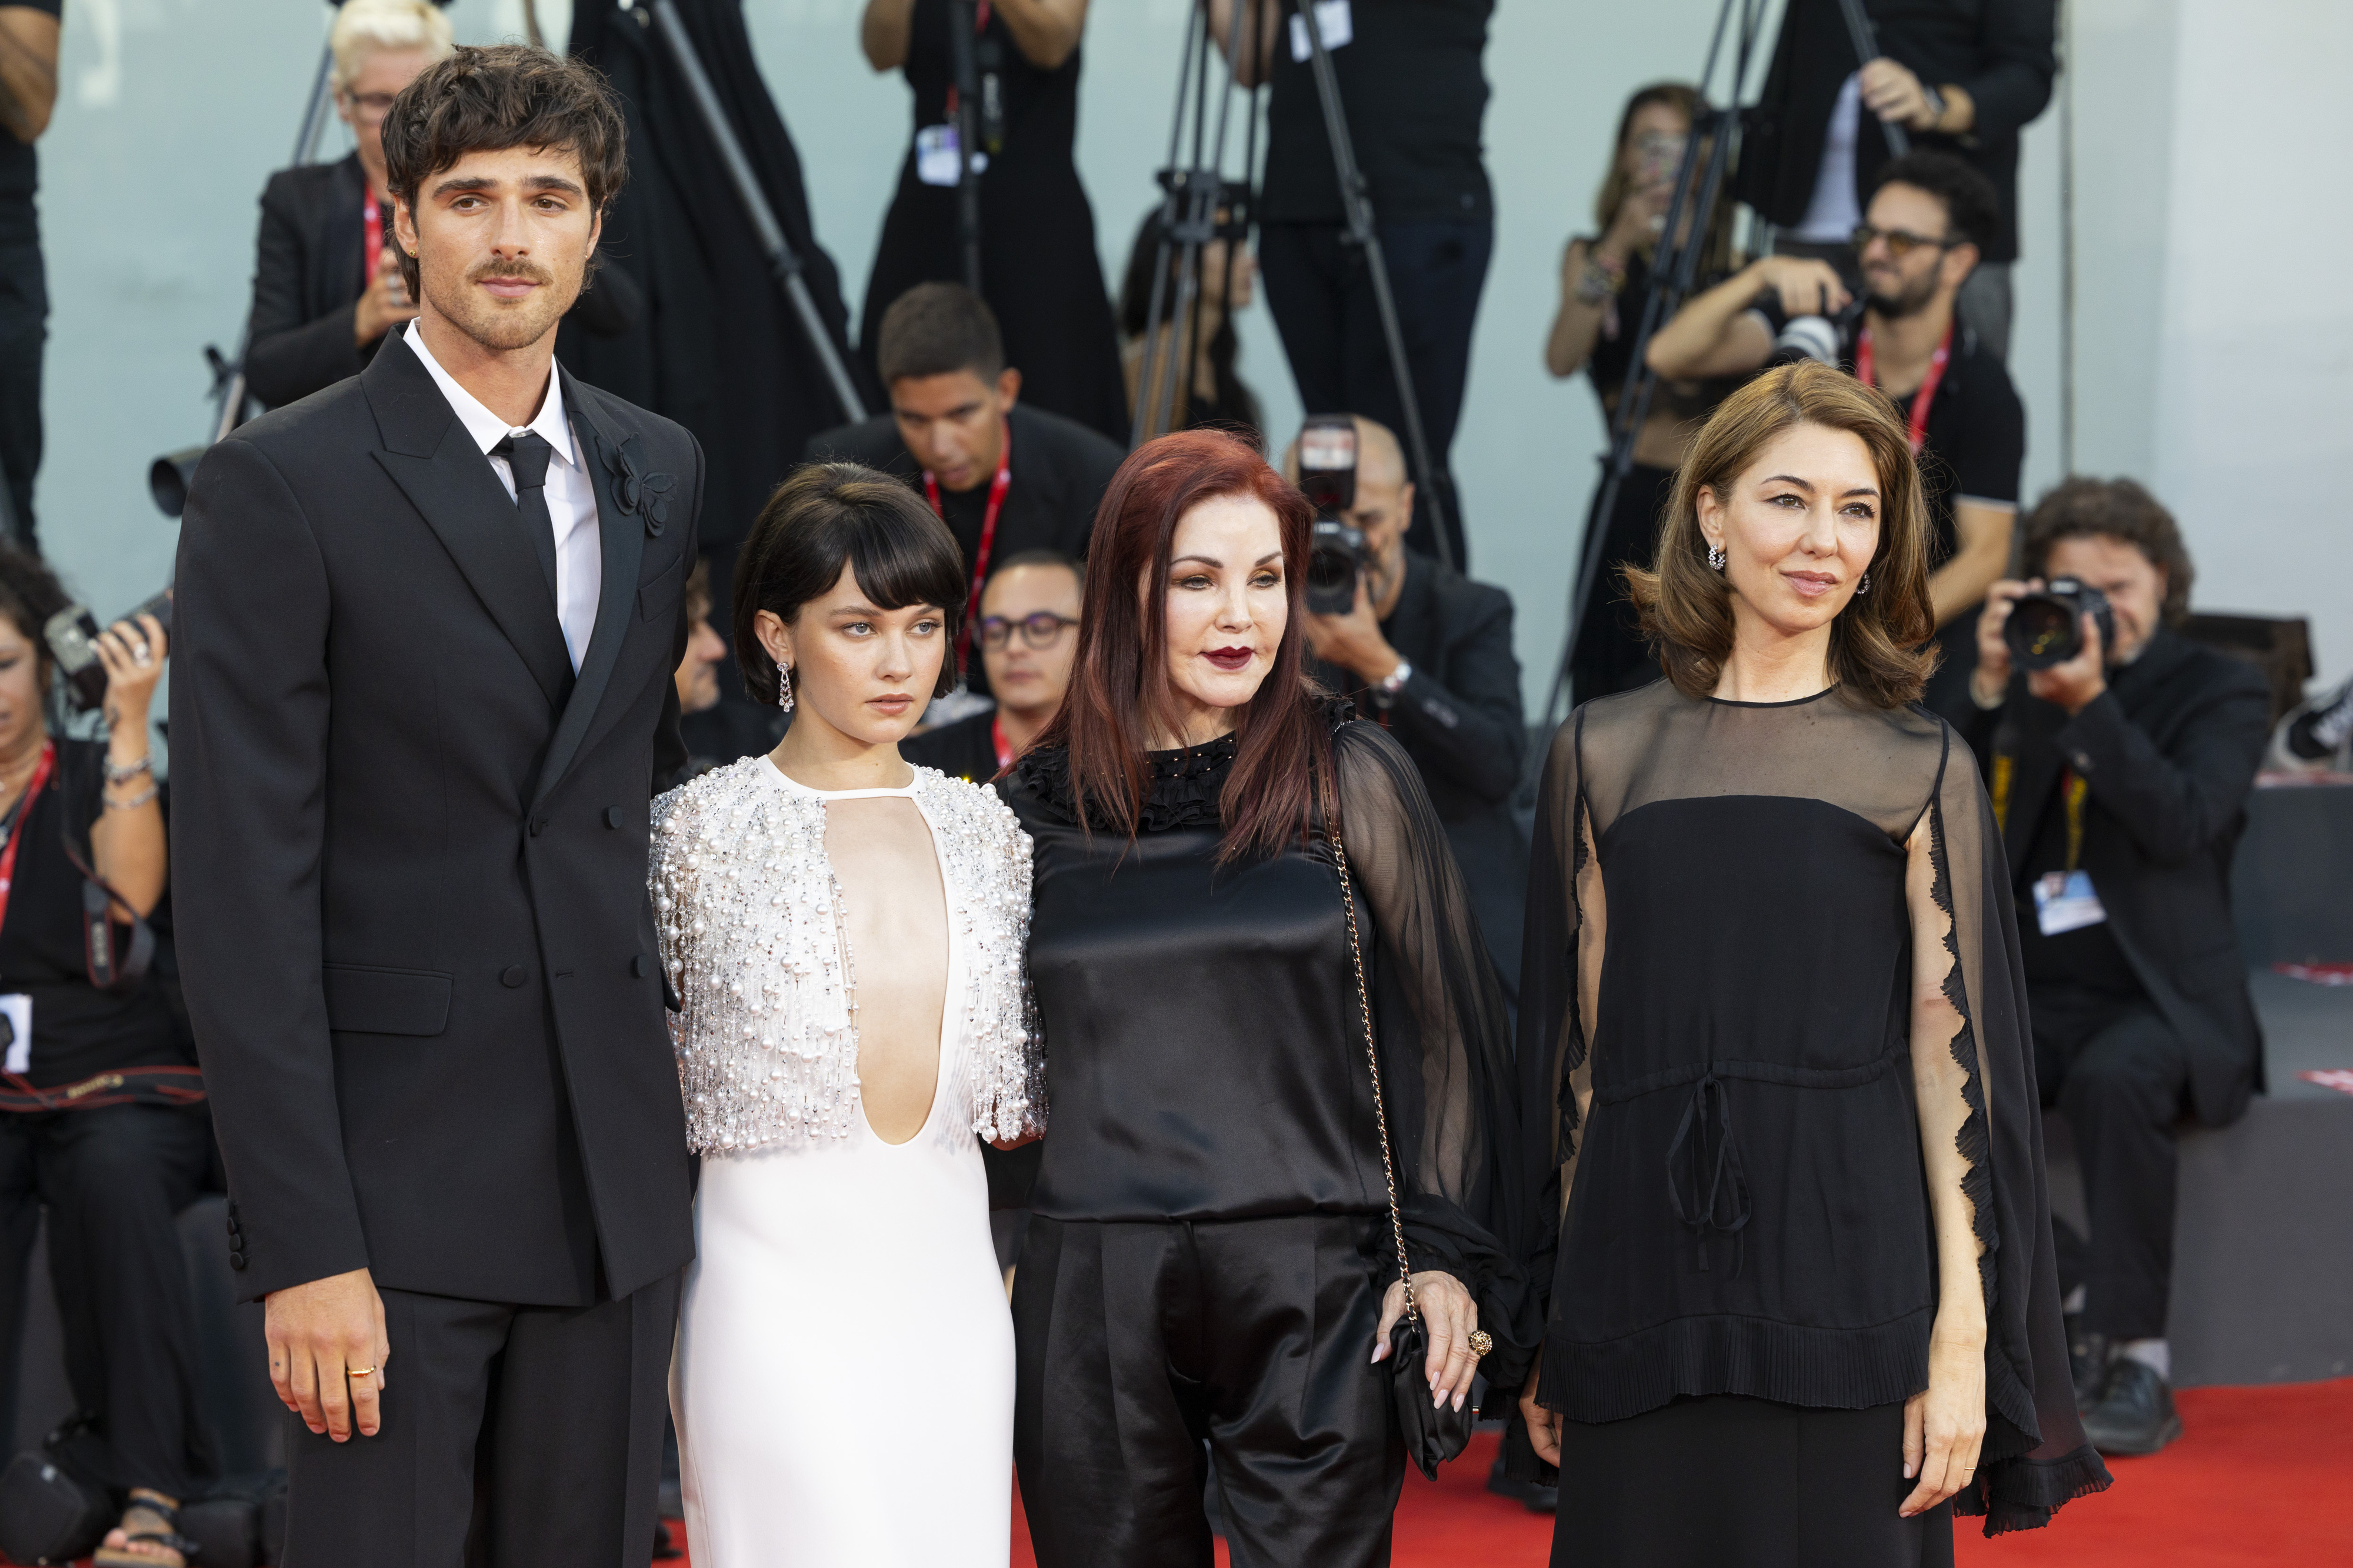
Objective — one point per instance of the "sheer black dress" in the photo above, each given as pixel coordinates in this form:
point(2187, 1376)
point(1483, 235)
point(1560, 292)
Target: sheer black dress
point(1209, 1240)
point(1039, 271)
point(1733, 910)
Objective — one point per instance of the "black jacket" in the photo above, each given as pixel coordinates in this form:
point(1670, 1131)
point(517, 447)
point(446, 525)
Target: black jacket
point(409, 850)
point(2169, 752)
point(1998, 51)
point(1459, 718)
point(309, 275)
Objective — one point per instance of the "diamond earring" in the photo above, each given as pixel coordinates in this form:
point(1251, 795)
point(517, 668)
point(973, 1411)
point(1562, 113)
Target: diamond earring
point(784, 688)
point(1863, 588)
point(1715, 557)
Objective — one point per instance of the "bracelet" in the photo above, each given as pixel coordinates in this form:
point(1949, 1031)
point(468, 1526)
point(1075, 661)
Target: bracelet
point(1597, 284)
point(127, 770)
point(134, 804)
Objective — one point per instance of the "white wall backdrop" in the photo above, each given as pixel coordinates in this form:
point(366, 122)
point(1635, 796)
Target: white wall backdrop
point(2214, 348)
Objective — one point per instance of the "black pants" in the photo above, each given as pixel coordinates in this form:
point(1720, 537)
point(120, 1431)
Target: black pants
point(112, 1179)
point(2120, 1074)
point(513, 1437)
point(24, 333)
point(1322, 295)
point(1139, 1343)
point(1610, 654)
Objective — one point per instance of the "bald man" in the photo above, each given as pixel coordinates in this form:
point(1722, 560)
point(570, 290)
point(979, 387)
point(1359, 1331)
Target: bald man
point(1427, 653)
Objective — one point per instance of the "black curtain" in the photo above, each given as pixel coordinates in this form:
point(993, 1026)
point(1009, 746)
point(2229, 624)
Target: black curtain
point(719, 349)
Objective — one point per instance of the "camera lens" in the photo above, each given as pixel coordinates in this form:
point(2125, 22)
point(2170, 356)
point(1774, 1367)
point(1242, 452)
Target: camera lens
point(2042, 631)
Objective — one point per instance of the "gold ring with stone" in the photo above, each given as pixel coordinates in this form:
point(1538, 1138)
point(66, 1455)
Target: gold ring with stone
point(1482, 1341)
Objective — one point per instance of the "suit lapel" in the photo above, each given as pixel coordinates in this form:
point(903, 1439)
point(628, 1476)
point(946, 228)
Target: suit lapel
point(430, 457)
point(622, 543)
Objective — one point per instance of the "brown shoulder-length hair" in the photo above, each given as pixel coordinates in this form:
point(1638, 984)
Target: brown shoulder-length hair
point(1880, 654)
point(1715, 256)
point(1119, 679)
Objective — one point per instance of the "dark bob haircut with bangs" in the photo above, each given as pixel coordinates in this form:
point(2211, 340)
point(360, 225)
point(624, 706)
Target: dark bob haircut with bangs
point(827, 516)
point(1119, 678)
point(486, 99)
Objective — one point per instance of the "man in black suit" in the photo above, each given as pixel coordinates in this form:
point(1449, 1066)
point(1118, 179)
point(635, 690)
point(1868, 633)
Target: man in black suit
point(426, 625)
point(2120, 778)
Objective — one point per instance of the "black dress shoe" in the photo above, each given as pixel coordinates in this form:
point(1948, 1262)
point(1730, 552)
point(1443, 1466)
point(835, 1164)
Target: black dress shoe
point(2134, 1414)
point(2088, 1354)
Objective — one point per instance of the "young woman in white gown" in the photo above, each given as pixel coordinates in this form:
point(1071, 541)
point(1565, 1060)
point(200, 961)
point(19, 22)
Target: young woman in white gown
point(845, 935)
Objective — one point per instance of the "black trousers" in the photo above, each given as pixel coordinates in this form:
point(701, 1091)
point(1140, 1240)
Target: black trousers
point(1141, 1343)
point(1610, 654)
point(24, 333)
point(2120, 1074)
point(513, 1437)
point(112, 1179)
point(1322, 295)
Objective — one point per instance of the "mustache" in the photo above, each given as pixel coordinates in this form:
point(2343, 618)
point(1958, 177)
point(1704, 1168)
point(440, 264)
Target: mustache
point(515, 271)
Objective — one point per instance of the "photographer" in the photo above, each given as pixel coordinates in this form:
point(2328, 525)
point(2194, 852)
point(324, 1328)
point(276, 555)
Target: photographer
point(1005, 477)
point(1427, 654)
point(1028, 637)
point(1413, 88)
point(1928, 216)
point(2120, 775)
point(100, 1116)
point(1962, 76)
point(326, 281)
point(29, 93)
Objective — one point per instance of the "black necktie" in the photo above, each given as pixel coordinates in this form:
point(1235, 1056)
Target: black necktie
point(527, 455)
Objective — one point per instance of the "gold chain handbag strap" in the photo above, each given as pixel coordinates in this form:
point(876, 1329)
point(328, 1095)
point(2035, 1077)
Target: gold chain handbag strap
point(1372, 1054)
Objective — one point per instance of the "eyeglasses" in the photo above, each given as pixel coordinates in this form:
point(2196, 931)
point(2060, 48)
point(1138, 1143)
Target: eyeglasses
point(370, 105)
point(1043, 630)
point(1901, 243)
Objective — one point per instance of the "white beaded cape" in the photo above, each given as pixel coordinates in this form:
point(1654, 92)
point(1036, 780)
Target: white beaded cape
point(749, 916)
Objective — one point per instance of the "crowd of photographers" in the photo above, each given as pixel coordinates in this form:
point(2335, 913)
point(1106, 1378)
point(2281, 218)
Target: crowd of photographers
point(2118, 752)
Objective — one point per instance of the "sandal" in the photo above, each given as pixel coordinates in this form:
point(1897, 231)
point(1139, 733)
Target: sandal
point(177, 1551)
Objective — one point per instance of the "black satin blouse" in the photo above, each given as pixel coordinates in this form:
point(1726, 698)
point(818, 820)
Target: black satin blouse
point(1204, 1057)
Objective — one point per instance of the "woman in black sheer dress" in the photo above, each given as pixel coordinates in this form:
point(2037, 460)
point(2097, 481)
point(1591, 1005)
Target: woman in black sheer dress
point(1210, 1231)
point(1039, 269)
point(1774, 1048)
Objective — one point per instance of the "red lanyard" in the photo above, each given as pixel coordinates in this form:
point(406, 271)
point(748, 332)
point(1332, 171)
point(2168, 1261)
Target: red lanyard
point(997, 489)
point(980, 26)
point(23, 819)
point(1004, 746)
point(372, 219)
point(1928, 383)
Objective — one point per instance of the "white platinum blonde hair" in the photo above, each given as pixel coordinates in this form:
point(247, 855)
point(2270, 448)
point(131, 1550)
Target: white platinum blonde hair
point(364, 27)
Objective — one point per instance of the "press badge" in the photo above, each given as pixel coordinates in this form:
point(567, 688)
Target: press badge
point(16, 1032)
point(936, 155)
point(2063, 901)
point(1333, 19)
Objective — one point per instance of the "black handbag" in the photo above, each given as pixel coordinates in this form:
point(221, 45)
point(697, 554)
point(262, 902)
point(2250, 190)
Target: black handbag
point(47, 1513)
point(1433, 1434)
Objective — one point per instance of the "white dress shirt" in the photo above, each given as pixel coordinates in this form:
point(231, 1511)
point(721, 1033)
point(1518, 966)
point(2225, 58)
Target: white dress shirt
point(571, 497)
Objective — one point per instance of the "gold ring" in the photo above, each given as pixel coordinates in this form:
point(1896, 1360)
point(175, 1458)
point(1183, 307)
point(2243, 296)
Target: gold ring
point(359, 1372)
point(1482, 1341)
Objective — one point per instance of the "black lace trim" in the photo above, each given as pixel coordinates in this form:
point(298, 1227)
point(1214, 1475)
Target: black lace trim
point(1572, 1056)
point(2023, 1494)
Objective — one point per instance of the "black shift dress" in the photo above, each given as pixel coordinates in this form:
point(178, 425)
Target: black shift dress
point(1038, 267)
point(1719, 984)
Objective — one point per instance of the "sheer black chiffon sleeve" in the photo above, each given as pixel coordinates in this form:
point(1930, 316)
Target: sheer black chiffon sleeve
point(1440, 1020)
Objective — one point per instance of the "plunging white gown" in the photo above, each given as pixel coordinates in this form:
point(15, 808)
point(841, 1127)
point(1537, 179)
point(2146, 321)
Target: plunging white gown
point(843, 1380)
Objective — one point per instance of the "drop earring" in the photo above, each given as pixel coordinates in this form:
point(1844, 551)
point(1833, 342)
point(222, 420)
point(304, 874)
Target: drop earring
point(1715, 557)
point(784, 688)
point(1863, 588)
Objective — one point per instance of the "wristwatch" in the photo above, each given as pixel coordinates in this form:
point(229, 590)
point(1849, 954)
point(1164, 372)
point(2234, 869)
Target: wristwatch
point(1394, 681)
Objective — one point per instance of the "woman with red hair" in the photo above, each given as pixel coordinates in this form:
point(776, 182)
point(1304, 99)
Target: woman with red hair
point(1227, 868)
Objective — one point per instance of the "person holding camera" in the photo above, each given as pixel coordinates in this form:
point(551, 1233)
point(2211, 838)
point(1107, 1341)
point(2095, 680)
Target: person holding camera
point(1427, 654)
point(1929, 218)
point(1960, 77)
point(1413, 88)
point(99, 1090)
point(2119, 756)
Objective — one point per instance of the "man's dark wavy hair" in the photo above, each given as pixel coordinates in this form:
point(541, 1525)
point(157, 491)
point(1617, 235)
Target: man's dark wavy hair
point(2082, 508)
point(485, 100)
point(1972, 207)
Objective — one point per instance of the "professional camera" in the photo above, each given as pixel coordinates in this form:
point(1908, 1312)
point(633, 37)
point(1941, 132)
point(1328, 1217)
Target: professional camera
point(2047, 627)
point(1337, 556)
point(1816, 337)
point(72, 637)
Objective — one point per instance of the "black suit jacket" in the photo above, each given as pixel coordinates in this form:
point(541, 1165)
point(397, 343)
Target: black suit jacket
point(1458, 717)
point(2169, 751)
point(1998, 51)
point(409, 850)
point(309, 275)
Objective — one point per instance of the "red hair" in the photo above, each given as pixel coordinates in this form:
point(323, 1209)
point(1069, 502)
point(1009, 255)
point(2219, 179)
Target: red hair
point(1119, 682)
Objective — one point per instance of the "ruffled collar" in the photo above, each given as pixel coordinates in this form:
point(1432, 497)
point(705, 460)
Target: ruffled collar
point(1183, 789)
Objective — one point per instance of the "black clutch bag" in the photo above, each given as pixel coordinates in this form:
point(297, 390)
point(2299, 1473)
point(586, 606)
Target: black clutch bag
point(1433, 1434)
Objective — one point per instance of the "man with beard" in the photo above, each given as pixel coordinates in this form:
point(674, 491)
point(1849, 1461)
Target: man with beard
point(427, 625)
point(1928, 217)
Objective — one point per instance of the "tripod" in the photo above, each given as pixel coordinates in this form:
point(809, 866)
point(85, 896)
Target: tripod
point(1689, 216)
